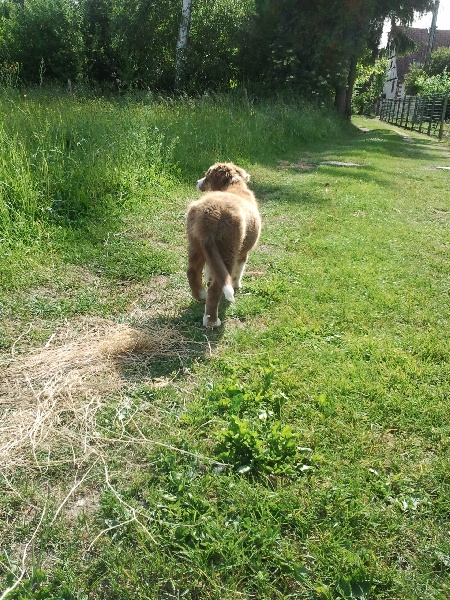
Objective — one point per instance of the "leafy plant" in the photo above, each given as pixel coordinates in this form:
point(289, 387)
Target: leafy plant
point(38, 587)
point(439, 61)
point(269, 448)
point(430, 85)
point(369, 84)
point(238, 398)
point(412, 84)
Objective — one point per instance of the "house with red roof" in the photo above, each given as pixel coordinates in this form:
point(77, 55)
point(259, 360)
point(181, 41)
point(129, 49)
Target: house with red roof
point(398, 66)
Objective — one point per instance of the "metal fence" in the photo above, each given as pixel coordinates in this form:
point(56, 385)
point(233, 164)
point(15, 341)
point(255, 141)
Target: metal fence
point(426, 114)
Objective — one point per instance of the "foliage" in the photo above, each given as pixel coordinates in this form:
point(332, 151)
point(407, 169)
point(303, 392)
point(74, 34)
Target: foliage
point(402, 42)
point(439, 61)
point(9, 75)
point(412, 85)
point(217, 33)
point(430, 85)
point(44, 37)
point(144, 37)
point(266, 46)
point(418, 82)
point(435, 80)
point(369, 83)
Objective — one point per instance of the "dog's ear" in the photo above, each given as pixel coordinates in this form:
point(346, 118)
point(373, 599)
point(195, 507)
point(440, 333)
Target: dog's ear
point(245, 175)
point(240, 174)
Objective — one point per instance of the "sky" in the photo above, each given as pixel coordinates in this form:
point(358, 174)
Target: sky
point(424, 21)
point(443, 18)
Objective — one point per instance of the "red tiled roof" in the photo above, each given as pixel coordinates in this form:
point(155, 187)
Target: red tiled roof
point(441, 38)
point(420, 37)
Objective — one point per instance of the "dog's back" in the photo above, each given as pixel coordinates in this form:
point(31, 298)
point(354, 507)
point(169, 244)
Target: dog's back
point(222, 227)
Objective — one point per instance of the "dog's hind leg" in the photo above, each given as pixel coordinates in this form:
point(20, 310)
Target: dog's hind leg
point(214, 294)
point(195, 270)
point(238, 271)
point(207, 275)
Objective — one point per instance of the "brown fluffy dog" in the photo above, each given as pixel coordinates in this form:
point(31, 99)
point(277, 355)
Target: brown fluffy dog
point(222, 227)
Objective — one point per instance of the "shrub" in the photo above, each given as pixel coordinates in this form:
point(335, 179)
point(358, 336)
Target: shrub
point(439, 61)
point(368, 85)
point(44, 37)
point(412, 87)
point(430, 85)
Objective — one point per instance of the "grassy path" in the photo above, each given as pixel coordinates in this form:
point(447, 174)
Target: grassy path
point(299, 451)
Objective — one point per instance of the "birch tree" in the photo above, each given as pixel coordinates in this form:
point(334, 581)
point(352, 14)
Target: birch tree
point(182, 44)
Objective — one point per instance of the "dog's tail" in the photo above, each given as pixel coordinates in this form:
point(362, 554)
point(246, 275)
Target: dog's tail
point(218, 269)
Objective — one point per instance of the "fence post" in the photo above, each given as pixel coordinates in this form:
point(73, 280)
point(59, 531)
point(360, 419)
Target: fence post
point(398, 110)
point(403, 102)
point(421, 109)
point(414, 118)
point(431, 115)
point(444, 110)
point(408, 112)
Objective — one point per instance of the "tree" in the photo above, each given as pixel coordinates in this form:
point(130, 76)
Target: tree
point(182, 43)
point(315, 46)
point(364, 22)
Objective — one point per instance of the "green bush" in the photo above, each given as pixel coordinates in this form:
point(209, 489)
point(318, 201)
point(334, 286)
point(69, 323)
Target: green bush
point(369, 84)
point(439, 61)
point(45, 38)
point(412, 84)
point(430, 85)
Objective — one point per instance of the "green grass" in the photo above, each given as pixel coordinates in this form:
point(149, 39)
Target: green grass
point(299, 451)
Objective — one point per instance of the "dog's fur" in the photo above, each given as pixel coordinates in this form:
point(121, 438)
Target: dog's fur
point(222, 227)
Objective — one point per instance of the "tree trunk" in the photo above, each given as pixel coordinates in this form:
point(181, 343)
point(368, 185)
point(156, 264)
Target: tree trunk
point(350, 85)
point(182, 45)
point(339, 100)
point(343, 95)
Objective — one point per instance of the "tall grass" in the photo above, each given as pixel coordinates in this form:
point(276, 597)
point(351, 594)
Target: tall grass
point(63, 157)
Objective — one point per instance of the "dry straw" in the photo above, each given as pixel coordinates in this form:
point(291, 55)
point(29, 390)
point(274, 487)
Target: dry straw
point(49, 398)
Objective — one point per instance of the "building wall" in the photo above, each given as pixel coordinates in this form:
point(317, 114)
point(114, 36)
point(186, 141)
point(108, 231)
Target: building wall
point(398, 67)
point(390, 87)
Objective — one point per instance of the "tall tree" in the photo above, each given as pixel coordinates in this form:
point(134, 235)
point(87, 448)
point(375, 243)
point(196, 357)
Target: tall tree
point(182, 43)
point(316, 45)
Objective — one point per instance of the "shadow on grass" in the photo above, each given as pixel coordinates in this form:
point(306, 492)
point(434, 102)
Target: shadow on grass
point(374, 157)
point(192, 343)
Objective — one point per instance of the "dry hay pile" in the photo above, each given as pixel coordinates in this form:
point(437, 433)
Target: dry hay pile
point(49, 398)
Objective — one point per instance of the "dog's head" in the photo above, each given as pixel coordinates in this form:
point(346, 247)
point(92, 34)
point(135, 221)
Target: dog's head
point(220, 176)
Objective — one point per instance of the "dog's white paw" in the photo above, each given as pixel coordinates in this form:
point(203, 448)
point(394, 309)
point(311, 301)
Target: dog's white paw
point(208, 323)
point(228, 292)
